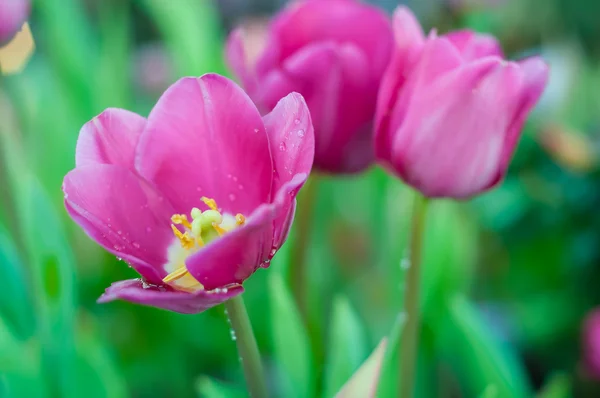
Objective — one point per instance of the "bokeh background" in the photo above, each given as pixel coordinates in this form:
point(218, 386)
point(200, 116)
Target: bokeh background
point(509, 277)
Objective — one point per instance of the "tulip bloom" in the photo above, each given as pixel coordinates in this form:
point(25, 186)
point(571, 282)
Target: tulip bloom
point(332, 52)
point(196, 197)
point(451, 109)
point(13, 13)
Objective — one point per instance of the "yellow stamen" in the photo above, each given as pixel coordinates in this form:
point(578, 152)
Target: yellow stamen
point(240, 219)
point(177, 274)
point(220, 230)
point(210, 203)
point(181, 219)
point(187, 242)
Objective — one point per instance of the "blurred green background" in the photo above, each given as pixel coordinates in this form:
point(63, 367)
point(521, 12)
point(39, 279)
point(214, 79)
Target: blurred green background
point(508, 280)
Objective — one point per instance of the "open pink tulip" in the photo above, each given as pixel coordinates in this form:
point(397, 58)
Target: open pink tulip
point(13, 13)
point(451, 109)
point(332, 52)
point(196, 197)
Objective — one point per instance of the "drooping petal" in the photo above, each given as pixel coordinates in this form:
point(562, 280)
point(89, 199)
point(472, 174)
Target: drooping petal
point(205, 137)
point(235, 256)
point(335, 82)
point(110, 138)
point(122, 213)
point(136, 291)
point(451, 140)
point(339, 21)
point(292, 139)
point(473, 46)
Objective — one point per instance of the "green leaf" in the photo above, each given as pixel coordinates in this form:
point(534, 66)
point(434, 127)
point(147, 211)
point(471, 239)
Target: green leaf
point(291, 346)
point(558, 386)
point(388, 384)
point(192, 33)
point(363, 384)
point(478, 356)
point(346, 346)
point(209, 388)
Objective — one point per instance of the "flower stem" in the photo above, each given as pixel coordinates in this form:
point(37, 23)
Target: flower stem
point(410, 335)
point(247, 347)
point(298, 271)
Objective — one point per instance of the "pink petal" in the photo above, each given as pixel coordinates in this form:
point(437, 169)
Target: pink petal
point(409, 41)
point(335, 82)
point(535, 78)
point(472, 45)
point(110, 138)
point(136, 291)
point(205, 137)
point(236, 59)
point(13, 13)
point(292, 138)
point(235, 256)
point(340, 21)
point(436, 58)
point(122, 213)
point(453, 134)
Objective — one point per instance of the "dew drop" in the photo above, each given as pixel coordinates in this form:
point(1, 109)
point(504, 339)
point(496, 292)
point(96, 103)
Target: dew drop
point(224, 290)
point(119, 259)
point(198, 189)
point(108, 225)
point(240, 187)
point(301, 133)
point(229, 176)
point(405, 264)
point(136, 245)
point(256, 130)
point(233, 336)
point(273, 251)
point(120, 232)
point(217, 290)
point(297, 121)
point(148, 229)
point(282, 147)
point(231, 197)
point(235, 179)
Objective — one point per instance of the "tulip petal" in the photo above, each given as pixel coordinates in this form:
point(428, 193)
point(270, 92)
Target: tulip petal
point(235, 55)
point(459, 123)
point(339, 21)
point(136, 291)
point(335, 82)
point(13, 13)
point(292, 138)
point(122, 213)
point(235, 256)
point(473, 46)
point(110, 138)
point(535, 78)
point(437, 57)
point(205, 137)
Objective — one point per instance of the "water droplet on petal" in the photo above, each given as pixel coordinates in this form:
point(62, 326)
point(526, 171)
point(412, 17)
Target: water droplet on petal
point(240, 187)
point(233, 336)
point(136, 245)
point(282, 147)
point(224, 290)
point(198, 189)
point(231, 197)
point(148, 229)
point(229, 176)
point(273, 251)
point(297, 121)
point(300, 133)
point(256, 130)
point(119, 232)
point(119, 259)
point(235, 179)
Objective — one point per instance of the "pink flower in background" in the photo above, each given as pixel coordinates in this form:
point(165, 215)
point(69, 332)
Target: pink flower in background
point(196, 197)
point(332, 52)
point(13, 13)
point(451, 109)
point(591, 344)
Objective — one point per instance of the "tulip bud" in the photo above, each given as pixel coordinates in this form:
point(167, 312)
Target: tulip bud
point(450, 109)
point(332, 52)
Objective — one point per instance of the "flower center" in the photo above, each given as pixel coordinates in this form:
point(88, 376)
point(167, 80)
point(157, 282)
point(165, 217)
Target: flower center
point(204, 227)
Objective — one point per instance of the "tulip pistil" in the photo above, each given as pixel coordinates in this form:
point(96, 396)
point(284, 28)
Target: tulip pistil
point(204, 227)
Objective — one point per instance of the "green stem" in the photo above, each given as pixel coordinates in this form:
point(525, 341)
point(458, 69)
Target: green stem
point(410, 335)
point(247, 347)
point(302, 222)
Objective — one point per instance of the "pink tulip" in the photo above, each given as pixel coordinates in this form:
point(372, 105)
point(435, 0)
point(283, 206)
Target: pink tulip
point(13, 13)
point(451, 109)
point(334, 53)
point(591, 344)
point(196, 197)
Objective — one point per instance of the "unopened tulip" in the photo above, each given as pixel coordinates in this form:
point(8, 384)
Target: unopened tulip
point(13, 13)
point(332, 52)
point(451, 109)
point(196, 197)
